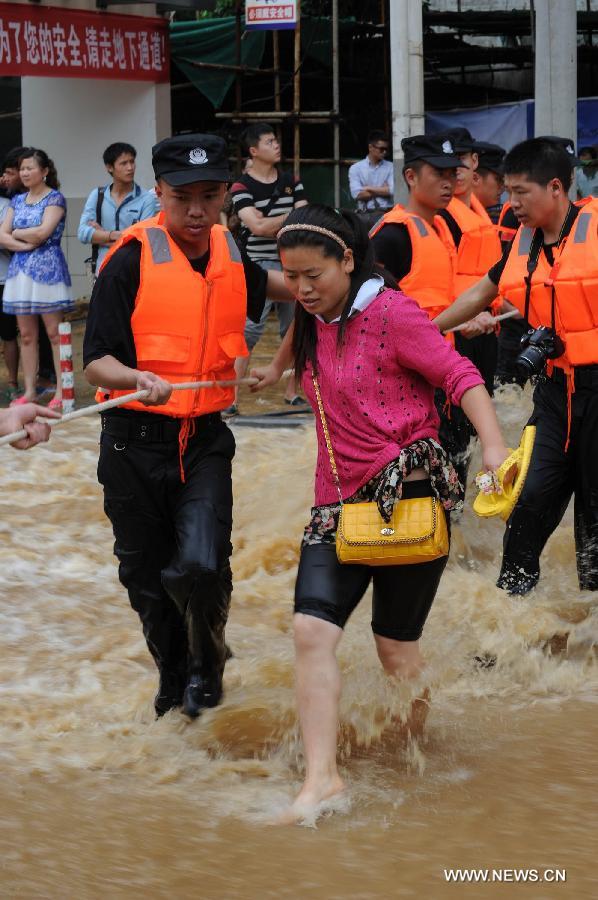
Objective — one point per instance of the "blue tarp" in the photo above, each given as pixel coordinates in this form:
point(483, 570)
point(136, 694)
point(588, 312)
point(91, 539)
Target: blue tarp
point(509, 123)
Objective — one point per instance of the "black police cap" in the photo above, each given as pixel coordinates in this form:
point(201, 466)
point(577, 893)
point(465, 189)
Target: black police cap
point(460, 138)
point(567, 144)
point(490, 156)
point(437, 150)
point(188, 158)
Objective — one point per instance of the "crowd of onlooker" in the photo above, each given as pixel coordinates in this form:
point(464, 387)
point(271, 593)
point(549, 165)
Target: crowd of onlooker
point(35, 283)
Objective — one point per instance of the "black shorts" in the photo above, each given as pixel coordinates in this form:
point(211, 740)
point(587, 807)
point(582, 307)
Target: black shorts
point(8, 323)
point(403, 595)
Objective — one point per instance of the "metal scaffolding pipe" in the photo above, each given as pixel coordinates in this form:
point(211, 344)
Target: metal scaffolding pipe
point(320, 114)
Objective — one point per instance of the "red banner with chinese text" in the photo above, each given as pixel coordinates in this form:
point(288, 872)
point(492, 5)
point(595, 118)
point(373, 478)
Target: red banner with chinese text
point(66, 43)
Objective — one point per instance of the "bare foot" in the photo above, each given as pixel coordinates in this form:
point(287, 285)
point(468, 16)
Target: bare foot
point(316, 801)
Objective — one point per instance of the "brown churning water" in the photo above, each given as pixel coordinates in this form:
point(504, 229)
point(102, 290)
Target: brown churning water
point(99, 800)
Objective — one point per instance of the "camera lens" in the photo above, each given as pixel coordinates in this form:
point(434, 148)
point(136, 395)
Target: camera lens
point(531, 360)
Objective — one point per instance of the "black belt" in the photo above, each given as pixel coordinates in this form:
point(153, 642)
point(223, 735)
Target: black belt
point(128, 429)
point(584, 376)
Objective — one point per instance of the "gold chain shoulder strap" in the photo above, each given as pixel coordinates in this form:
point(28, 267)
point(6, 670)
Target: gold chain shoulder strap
point(327, 436)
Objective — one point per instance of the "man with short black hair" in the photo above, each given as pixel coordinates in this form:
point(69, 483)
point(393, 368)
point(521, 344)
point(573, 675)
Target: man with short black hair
point(406, 241)
point(262, 198)
point(549, 273)
point(371, 180)
point(169, 306)
point(10, 181)
point(111, 208)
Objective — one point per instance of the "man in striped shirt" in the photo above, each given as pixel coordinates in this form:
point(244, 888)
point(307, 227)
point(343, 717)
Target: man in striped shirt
point(262, 198)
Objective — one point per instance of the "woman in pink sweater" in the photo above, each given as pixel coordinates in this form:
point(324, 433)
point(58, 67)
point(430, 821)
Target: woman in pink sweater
point(378, 360)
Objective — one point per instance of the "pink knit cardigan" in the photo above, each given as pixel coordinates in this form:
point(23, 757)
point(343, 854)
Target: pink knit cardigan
point(378, 393)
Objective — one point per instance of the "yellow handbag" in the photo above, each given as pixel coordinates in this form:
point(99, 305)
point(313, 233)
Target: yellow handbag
point(416, 533)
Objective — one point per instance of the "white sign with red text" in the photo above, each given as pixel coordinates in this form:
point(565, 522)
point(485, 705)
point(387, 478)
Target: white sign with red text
point(270, 14)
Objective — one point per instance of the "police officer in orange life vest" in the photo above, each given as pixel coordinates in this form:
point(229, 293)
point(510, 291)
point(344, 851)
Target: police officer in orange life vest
point(477, 247)
point(550, 274)
point(170, 305)
point(512, 330)
point(414, 245)
point(405, 240)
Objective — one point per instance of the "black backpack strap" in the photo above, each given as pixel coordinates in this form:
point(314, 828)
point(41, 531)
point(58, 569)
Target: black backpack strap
point(532, 264)
point(96, 247)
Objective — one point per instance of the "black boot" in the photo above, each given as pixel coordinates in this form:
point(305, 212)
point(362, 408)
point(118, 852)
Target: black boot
point(515, 580)
point(201, 693)
point(170, 692)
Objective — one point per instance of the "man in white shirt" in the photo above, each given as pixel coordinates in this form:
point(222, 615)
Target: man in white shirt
point(371, 180)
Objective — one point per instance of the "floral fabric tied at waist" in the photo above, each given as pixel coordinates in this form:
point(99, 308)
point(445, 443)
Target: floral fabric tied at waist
point(386, 488)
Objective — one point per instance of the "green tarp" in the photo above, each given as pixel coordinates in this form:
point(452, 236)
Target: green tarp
point(213, 41)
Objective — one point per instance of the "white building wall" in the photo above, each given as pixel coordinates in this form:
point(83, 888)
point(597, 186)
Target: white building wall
point(74, 120)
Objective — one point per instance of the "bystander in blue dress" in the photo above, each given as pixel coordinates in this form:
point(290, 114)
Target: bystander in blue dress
point(38, 281)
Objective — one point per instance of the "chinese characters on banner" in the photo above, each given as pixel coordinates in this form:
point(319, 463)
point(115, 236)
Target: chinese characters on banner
point(74, 44)
point(270, 14)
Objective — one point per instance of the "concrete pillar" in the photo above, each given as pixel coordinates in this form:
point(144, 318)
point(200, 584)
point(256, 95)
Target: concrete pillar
point(415, 26)
point(556, 68)
point(406, 78)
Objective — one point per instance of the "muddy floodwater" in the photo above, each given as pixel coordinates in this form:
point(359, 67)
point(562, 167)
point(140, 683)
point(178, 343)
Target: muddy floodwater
point(99, 800)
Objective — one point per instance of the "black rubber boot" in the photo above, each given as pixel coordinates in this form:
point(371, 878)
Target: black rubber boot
point(170, 692)
point(515, 580)
point(201, 693)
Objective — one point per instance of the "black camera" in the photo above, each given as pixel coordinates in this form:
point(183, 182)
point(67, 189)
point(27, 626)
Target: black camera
point(539, 344)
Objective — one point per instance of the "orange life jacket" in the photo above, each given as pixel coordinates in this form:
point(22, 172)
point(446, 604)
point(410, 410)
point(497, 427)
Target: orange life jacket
point(479, 248)
point(186, 327)
point(504, 233)
point(572, 280)
point(430, 279)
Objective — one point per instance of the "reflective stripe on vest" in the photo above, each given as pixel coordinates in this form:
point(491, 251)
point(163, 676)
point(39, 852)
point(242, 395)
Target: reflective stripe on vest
point(158, 243)
point(187, 327)
point(575, 278)
point(430, 279)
